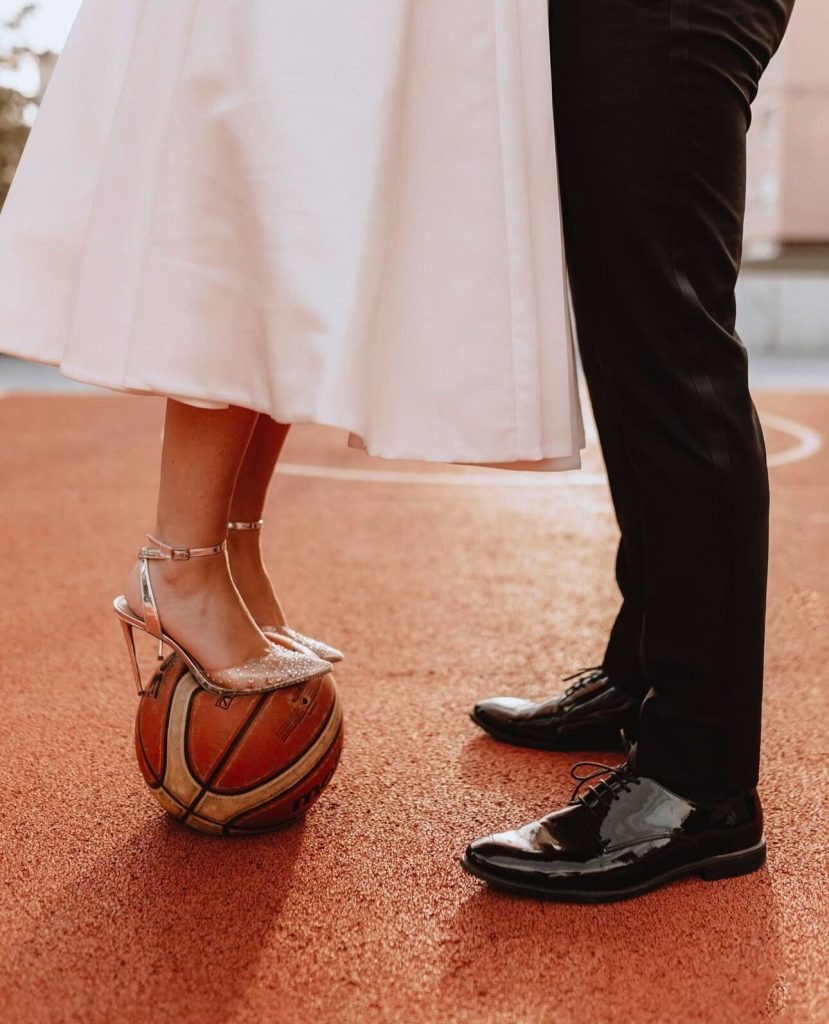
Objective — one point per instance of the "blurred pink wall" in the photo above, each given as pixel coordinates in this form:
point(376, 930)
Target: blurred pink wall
point(788, 188)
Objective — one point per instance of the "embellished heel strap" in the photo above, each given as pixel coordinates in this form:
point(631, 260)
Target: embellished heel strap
point(257, 525)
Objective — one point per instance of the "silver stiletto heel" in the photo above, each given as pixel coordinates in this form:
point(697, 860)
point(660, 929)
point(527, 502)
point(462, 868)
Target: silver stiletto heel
point(129, 639)
point(322, 650)
point(279, 667)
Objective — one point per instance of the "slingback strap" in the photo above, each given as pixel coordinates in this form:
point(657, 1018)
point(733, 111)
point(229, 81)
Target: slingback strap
point(159, 551)
point(247, 526)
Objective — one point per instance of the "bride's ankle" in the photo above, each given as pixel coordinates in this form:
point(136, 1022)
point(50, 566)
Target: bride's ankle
point(244, 543)
point(178, 579)
point(252, 579)
point(244, 555)
point(188, 577)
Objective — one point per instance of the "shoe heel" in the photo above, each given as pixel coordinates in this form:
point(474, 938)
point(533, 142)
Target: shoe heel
point(129, 640)
point(734, 864)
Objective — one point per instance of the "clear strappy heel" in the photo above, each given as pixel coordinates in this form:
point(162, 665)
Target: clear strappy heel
point(278, 668)
point(322, 650)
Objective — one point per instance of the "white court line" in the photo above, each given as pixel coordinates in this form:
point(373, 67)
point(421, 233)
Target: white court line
point(808, 443)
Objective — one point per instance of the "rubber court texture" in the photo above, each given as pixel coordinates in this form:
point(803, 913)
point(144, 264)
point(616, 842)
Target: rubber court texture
point(443, 585)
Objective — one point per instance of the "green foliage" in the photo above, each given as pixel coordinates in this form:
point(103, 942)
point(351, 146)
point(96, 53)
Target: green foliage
point(13, 105)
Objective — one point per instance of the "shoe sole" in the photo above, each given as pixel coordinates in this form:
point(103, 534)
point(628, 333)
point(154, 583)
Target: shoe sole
point(560, 746)
point(726, 865)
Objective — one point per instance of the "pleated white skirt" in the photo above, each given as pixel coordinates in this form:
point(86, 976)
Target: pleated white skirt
point(333, 212)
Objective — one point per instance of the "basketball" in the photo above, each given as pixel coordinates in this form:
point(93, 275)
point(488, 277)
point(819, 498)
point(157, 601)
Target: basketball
point(236, 765)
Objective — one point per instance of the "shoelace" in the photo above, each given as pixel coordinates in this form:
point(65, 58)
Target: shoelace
point(604, 790)
point(584, 677)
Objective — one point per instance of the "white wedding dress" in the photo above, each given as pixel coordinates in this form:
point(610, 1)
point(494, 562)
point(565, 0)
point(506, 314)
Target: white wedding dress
point(330, 211)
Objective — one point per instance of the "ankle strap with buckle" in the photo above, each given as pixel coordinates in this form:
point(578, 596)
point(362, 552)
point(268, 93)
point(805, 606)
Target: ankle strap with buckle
point(257, 525)
point(162, 551)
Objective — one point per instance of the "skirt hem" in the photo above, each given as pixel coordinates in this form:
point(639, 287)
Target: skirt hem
point(536, 461)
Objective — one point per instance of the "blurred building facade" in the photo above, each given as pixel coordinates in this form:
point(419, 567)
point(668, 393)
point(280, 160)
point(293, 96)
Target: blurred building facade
point(784, 289)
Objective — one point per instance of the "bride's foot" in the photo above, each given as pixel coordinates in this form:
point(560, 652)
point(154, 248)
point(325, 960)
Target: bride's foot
point(190, 601)
point(256, 588)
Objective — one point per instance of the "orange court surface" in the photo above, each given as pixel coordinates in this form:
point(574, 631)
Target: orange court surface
point(443, 585)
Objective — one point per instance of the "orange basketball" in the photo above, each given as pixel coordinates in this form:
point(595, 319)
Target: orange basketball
point(236, 765)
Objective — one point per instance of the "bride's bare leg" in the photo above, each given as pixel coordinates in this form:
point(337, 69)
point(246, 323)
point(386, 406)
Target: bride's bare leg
point(247, 566)
point(199, 604)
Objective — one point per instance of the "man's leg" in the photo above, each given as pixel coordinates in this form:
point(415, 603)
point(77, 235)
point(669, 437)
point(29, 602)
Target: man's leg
point(652, 99)
point(652, 105)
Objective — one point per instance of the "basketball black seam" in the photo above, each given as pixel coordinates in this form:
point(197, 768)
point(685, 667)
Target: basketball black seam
point(234, 743)
point(188, 715)
point(280, 796)
point(165, 756)
point(285, 768)
point(159, 778)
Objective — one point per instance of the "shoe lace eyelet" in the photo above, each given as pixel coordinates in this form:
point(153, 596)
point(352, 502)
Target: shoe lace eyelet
point(605, 783)
point(584, 677)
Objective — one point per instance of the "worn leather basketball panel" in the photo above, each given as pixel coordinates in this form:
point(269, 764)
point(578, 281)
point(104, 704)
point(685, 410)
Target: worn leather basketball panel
point(169, 803)
point(213, 724)
point(296, 801)
point(288, 723)
point(150, 776)
point(151, 722)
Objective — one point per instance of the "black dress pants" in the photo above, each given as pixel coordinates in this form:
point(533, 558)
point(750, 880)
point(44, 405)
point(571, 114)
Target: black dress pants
point(652, 102)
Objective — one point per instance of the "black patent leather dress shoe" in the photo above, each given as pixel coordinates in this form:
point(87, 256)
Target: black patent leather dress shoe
point(589, 715)
point(622, 837)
